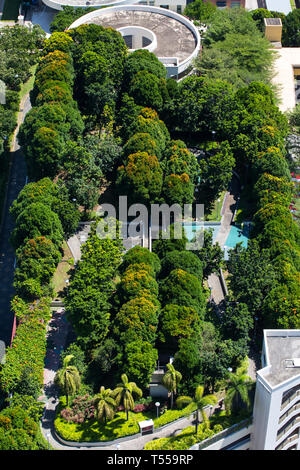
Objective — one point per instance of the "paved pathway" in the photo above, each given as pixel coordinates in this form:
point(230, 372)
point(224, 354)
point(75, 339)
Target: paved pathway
point(17, 179)
point(229, 205)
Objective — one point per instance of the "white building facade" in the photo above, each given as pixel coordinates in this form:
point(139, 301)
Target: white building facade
point(276, 413)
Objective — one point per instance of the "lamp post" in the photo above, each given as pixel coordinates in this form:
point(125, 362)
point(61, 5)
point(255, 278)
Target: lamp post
point(157, 404)
point(48, 437)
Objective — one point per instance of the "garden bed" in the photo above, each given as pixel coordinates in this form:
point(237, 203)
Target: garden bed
point(93, 431)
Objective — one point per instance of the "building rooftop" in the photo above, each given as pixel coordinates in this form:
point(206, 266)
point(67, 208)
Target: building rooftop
point(283, 355)
point(174, 39)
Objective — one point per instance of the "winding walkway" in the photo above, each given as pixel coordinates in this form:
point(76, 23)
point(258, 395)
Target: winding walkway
point(57, 332)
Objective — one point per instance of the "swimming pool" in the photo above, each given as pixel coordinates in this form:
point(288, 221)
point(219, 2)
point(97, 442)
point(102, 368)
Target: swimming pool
point(236, 235)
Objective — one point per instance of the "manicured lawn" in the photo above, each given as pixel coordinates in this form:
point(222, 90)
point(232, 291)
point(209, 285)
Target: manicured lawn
point(61, 273)
point(11, 10)
point(216, 211)
point(28, 86)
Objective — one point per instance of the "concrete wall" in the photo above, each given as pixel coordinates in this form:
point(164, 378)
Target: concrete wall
point(234, 438)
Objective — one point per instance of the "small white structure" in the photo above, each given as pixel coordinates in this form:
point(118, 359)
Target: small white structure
point(276, 414)
point(146, 427)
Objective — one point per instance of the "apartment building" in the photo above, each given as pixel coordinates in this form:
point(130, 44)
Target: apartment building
point(276, 413)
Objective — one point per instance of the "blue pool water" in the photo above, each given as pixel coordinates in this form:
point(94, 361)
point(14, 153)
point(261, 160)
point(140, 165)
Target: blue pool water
point(193, 227)
point(237, 235)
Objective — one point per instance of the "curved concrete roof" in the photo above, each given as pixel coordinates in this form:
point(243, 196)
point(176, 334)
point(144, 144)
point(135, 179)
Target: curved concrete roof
point(178, 40)
point(58, 4)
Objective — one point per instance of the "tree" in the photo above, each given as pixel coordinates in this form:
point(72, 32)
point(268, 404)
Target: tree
point(178, 189)
point(215, 173)
point(252, 275)
point(135, 279)
point(140, 255)
point(106, 405)
point(140, 178)
point(200, 11)
point(170, 240)
point(87, 299)
point(68, 378)
point(291, 29)
point(237, 392)
point(186, 260)
point(178, 160)
point(142, 60)
point(148, 90)
point(19, 431)
point(200, 104)
point(201, 402)
point(209, 253)
point(141, 142)
point(137, 319)
point(64, 18)
point(183, 288)
point(170, 380)
point(124, 394)
point(138, 361)
point(177, 322)
point(35, 221)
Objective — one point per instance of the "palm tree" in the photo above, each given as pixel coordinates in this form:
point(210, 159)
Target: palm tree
point(106, 405)
point(171, 380)
point(68, 378)
point(238, 388)
point(201, 402)
point(124, 392)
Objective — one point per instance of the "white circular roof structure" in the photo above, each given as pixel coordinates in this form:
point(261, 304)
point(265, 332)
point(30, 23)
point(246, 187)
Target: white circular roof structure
point(170, 36)
point(59, 4)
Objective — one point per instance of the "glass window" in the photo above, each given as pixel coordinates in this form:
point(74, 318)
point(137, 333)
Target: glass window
point(179, 8)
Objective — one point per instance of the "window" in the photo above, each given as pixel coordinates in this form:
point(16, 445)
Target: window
point(164, 6)
point(221, 4)
point(179, 9)
point(235, 4)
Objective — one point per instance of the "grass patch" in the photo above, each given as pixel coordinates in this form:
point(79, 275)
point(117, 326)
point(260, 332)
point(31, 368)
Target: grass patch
point(62, 272)
point(28, 86)
point(216, 210)
point(11, 10)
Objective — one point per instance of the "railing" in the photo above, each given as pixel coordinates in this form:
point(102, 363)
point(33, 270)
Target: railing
point(289, 412)
point(287, 441)
point(227, 432)
point(290, 398)
point(285, 429)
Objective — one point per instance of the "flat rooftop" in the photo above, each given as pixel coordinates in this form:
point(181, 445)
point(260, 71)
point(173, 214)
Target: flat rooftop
point(281, 347)
point(284, 78)
point(174, 39)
